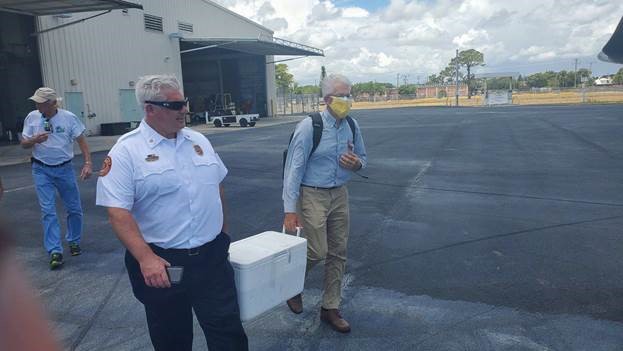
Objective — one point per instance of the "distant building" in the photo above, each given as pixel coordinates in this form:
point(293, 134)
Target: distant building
point(605, 80)
point(433, 91)
point(393, 94)
point(94, 62)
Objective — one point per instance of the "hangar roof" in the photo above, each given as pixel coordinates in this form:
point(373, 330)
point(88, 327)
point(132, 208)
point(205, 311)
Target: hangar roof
point(257, 46)
point(56, 7)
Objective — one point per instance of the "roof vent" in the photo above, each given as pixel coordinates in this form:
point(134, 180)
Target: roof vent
point(153, 23)
point(185, 27)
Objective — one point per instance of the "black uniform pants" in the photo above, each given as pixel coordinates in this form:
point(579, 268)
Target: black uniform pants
point(207, 287)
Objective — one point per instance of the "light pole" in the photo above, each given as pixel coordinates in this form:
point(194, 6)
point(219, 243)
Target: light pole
point(457, 78)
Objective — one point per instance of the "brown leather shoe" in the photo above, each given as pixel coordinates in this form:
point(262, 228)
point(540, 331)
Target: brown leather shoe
point(296, 304)
point(335, 320)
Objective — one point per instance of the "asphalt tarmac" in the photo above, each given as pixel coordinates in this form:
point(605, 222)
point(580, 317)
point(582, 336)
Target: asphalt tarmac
point(477, 229)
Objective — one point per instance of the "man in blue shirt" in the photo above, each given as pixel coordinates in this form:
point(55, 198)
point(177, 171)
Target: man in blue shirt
point(315, 196)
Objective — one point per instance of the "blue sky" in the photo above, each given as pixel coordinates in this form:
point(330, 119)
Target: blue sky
point(370, 5)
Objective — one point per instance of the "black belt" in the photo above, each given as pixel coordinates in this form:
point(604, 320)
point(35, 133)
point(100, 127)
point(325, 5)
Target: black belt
point(195, 251)
point(34, 160)
point(321, 188)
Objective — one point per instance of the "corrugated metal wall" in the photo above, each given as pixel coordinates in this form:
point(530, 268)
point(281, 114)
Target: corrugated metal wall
point(271, 87)
point(102, 55)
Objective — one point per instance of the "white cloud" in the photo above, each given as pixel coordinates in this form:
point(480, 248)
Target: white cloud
point(471, 38)
point(355, 12)
point(324, 11)
point(418, 37)
point(377, 61)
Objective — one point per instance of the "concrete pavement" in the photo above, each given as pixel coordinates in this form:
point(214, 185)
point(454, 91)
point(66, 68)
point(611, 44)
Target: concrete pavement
point(478, 229)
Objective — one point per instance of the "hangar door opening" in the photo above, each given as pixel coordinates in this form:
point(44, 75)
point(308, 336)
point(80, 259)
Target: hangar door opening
point(217, 80)
point(20, 73)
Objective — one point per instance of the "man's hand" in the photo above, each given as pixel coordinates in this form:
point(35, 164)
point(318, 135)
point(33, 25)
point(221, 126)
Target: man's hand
point(350, 160)
point(154, 269)
point(86, 171)
point(291, 222)
point(40, 138)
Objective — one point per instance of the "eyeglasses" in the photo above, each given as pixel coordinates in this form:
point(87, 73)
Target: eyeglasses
point(171, 105)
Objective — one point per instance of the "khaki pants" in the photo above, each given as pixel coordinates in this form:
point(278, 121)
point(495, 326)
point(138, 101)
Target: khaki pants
point(325, 217)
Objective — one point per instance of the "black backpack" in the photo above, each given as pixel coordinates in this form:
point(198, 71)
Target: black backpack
point(318, 126)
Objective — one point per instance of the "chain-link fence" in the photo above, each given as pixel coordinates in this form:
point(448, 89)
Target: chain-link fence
point(538, 96)
point(290, 103)
point(587, 95)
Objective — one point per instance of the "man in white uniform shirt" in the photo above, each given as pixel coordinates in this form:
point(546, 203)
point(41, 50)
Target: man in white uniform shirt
point(162, 186)
point(50, 132)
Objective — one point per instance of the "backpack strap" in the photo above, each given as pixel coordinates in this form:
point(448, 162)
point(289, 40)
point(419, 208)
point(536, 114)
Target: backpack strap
point(317, 125)
point(351, 123)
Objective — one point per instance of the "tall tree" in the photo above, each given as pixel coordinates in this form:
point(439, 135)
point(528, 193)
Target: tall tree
point(370, 88)
point(469, 59)
point(448, 74)
point(323, 74)
point(618, 78)
point(585, 76)
point(283, 78)
point(307, 89)
point(407, 89)
point(435, 79)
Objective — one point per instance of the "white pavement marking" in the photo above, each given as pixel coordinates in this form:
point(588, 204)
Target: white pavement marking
point(20, 188)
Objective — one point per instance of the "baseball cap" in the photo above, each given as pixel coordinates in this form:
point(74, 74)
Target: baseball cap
point(44, 94)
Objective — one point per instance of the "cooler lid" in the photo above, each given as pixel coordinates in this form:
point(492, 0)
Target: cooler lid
point(260, 248)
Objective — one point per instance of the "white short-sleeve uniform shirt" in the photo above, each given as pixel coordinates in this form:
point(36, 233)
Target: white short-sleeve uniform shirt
point(65, 128)
point(170, 186)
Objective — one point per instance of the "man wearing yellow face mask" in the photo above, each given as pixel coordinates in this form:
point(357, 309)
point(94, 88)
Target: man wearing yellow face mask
point(315, 196)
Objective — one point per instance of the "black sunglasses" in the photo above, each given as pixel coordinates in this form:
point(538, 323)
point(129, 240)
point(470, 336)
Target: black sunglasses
point(171, 105)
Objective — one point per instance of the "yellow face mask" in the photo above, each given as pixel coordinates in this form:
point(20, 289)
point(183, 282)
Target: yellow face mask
point(340, 105)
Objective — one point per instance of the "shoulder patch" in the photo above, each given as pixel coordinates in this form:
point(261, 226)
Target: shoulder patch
point(106, 166)
point(198, 150)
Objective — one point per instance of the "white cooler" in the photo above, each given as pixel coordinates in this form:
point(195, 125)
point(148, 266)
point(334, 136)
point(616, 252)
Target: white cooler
point(269, 269)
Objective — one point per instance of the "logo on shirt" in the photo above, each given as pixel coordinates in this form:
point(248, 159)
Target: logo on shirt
point(106, 165)
point(198, 150)
point(152, 158)
point(59, 129)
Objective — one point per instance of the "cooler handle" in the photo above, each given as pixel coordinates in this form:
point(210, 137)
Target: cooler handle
point(283, 255)
point(298, 231)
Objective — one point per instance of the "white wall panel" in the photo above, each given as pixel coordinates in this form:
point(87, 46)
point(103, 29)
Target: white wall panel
point(105, 53)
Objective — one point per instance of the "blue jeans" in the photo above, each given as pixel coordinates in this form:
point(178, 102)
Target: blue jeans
point(47, 181)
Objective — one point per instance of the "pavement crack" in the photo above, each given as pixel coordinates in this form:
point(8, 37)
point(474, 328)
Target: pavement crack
point(417, 187)
point(582, 139)
point(486, 238)
point(488, 193)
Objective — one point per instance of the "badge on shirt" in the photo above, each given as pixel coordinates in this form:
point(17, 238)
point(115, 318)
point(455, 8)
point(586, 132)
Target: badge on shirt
point(106, 166)
point(152, 158)
point(198, 150)
point(59, 129)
